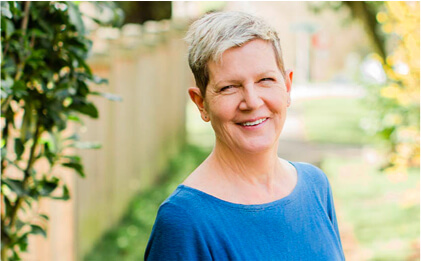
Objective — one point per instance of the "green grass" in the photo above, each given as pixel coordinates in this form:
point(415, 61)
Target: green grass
point(384, 218)
point(335, 120)
point(127, 241)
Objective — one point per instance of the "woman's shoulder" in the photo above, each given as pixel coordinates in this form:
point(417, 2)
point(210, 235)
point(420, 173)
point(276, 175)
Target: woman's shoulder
point(311, 173)
point(180, 202)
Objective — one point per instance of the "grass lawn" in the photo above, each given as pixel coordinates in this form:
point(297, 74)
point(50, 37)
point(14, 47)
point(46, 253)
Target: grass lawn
point(384, 214)
point(335, 120)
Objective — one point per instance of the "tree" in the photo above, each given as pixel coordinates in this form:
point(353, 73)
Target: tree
point(394, 31)
point(44, 85)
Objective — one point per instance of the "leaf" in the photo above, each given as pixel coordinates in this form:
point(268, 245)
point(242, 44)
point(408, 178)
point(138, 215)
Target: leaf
point(74, 136)
point(37, 33)
point(75, 118)
point(7, 204)
point(48, 186)
point(76, 166)
point(22, 242)
point(44, 216)
point(19, 148)
point(37, 230)
point(86, 145)
point(6, 87)
point(48, 153)
point(99, 80)
point(19, 224)
point(15, 256)
point(86, 108)
point(109, 96)
point(19, 89)
point(15, 185)
point(76, 18)
point(10, 28)
point(66, 194)
point(5, 10)
point(72, 159)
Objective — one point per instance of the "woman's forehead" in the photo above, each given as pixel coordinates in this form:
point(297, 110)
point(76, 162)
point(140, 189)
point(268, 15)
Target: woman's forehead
point(257, 57)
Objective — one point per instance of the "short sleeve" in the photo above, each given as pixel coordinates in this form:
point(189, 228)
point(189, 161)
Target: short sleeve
point(175, 237)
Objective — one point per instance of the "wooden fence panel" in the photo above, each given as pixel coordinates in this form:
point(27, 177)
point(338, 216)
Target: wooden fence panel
point(138, 136)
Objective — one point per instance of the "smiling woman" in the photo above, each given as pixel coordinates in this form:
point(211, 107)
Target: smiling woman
point(244, 202)
point(246, 98)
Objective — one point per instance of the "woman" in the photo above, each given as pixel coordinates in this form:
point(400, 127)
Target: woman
point(244, 202)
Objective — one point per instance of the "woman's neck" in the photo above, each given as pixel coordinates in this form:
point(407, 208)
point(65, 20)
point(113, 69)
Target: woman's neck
point(260, 168)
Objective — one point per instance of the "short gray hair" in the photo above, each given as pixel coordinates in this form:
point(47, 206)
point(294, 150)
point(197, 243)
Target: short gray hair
point(214, 33)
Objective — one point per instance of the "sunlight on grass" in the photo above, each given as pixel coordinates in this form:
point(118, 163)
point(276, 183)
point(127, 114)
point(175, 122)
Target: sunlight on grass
point(335, 120)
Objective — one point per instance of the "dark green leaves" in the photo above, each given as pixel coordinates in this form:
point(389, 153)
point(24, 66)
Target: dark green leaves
point(86, 108)
point(47, 186)
point(37, 230)
point(19, 148)
point(74, 162)
point(15, 185)
point(45, 82)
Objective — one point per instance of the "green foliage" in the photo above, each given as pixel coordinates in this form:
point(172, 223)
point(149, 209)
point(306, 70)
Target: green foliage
point(44, 84)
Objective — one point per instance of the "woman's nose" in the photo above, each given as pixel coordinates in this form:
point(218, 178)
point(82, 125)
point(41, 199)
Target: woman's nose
point(251, 98)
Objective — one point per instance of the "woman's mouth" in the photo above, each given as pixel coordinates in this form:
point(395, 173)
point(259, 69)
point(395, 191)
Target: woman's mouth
point(253, 123)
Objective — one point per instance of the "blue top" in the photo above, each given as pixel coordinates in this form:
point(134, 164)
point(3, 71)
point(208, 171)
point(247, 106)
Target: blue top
point(193, 225)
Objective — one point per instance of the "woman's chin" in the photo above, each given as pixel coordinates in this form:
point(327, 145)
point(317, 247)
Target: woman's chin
point(254, 147)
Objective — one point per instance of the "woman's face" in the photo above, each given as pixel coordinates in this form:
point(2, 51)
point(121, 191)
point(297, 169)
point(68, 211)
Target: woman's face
point(246, 98)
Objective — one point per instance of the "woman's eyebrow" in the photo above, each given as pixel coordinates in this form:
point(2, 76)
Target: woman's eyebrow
point(234, 81)
point(226, 81)
point(266, 72)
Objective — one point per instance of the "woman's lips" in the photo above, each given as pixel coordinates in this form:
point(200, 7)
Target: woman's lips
point(253, 122)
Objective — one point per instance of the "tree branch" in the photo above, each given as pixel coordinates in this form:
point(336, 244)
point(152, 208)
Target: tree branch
point(361, 11)
point(27, 173)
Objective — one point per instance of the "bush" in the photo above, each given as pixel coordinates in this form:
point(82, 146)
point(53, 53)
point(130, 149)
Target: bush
point(44, 85)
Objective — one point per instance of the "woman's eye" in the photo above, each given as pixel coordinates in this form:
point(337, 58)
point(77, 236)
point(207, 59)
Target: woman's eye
point(266, 79)
point(226, 88)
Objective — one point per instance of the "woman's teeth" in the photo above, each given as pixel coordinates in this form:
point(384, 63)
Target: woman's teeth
point(253, 122)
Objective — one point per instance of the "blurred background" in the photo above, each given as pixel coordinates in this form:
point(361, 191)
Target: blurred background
point(355, 114)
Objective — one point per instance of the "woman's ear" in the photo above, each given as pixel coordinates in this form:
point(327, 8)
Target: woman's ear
point(197, 98)
point(288, 80)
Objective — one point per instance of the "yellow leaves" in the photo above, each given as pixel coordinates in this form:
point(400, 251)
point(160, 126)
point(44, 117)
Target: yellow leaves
point(403, 11)
point(392, 91)
point(387, 28)
point(403, 96)
point(401, 21)
point(381, 17)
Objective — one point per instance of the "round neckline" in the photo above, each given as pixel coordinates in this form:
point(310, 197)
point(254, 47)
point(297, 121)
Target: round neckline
point(282, 201)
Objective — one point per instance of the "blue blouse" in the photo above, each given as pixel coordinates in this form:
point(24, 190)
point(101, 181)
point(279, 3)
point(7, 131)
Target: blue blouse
point(193, 225)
